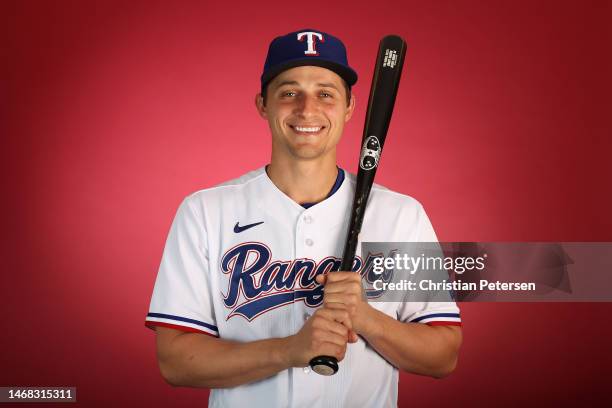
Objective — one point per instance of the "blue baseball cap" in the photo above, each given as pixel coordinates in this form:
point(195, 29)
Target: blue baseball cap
point(307, 47)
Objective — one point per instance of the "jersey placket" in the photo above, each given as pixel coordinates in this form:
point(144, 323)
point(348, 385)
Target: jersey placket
point(303, 379)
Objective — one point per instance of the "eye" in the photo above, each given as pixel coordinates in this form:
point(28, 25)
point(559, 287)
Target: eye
point(288, 93)
point(326, 94)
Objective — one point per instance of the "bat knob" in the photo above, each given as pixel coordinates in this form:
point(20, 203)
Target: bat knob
point(324, 365)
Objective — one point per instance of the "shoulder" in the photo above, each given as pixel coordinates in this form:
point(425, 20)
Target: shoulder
point(227, 188)
point(382, 196)
point(393, 216)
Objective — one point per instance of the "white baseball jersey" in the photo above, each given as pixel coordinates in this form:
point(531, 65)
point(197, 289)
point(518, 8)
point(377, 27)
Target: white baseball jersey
point(240, 264)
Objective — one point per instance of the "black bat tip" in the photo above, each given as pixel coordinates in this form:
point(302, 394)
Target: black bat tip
point(393, 37)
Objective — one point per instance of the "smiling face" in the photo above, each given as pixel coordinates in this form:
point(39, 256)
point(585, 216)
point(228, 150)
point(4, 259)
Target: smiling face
point(306, 109)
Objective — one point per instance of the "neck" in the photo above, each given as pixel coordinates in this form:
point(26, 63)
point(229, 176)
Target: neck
point(304, 181)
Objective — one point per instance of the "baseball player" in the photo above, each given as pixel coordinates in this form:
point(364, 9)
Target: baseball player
point(238, 304)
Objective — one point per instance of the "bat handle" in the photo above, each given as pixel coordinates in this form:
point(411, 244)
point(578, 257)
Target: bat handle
point(327, 365)
point(324, 365)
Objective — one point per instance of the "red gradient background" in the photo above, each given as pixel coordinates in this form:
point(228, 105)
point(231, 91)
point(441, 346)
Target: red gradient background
point(112, 112)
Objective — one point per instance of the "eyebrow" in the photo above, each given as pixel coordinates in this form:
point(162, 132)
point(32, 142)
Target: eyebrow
point(320, 84)
point(328, 85)
point(287, 83)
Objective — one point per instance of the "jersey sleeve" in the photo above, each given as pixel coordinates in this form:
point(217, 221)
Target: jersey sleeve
point(431, 313)
point(182, 294)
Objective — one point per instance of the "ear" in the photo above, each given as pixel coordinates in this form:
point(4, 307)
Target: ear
point(261, 109)
point(350, 109)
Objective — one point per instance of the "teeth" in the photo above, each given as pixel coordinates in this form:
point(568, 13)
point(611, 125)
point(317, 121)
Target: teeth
point(308, 129)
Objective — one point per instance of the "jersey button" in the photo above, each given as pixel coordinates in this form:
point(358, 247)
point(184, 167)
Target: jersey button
point(306, 370)
point(309, 242)
point(308, 219)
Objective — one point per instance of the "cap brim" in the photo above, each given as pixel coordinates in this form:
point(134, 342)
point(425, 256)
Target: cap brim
point(343, 71)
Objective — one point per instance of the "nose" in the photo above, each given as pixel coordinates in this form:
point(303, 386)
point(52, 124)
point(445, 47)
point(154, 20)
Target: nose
point(306, 106)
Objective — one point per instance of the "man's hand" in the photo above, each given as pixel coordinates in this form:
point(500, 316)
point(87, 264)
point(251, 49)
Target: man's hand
point(413, 347)
point(325, 333)
point(343, 291)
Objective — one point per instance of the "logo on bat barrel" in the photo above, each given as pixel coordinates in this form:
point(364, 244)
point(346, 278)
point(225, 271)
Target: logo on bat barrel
point(390, 58)
point(370, 153)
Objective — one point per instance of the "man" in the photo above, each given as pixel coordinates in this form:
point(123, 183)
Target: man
point(237, 304)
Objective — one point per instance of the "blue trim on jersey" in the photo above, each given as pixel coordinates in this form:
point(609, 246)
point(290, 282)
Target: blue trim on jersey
point(418, 319)
point(183, 319)
point(335, 187)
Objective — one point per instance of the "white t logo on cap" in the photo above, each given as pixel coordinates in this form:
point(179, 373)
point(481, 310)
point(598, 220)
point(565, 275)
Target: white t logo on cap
point(310, 40)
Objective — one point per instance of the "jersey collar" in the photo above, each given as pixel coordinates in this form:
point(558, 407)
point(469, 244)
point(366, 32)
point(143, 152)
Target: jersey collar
point(334, 209)
point(335, 187)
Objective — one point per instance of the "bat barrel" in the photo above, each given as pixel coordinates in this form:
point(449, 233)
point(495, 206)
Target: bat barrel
point(383, 92)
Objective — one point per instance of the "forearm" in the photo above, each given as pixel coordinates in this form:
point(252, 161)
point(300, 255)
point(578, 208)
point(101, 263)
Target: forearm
point(195, 360)
point(414, 347)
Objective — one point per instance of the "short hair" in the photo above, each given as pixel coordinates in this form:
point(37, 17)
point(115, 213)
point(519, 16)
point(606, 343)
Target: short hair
point(347, 88)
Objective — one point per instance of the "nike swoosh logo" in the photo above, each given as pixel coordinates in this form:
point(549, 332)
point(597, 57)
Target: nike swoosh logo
point(238, 229)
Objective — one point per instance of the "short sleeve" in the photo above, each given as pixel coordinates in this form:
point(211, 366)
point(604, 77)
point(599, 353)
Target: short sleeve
point(182, 294)
point(425, 231)
point(432, 313)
